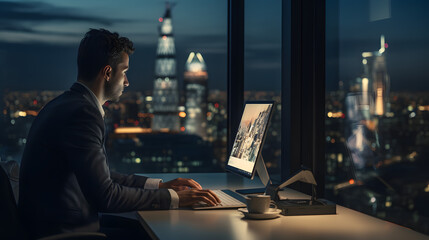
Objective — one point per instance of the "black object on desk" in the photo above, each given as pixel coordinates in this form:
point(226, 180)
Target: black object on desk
point(306, 207)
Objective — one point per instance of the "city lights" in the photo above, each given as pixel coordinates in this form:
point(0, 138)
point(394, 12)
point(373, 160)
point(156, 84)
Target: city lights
point(424, 108)
point(121, 130)
point(336, 115)
point(340, 157)
point(388, 204)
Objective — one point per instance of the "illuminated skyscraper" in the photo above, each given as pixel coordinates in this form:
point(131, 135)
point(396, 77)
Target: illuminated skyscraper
point(196, 95)
point(375, 81)
point(366, 105)
point(165, 92)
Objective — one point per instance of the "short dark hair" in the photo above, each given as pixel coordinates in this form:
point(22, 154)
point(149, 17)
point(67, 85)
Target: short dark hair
point(99, 48)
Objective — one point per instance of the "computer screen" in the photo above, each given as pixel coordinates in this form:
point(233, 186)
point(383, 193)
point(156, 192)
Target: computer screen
point(250, 137)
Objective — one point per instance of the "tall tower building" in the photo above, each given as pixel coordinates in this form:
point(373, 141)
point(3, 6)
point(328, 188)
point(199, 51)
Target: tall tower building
point(165, 90)
point(375, 81)
point(196, 95)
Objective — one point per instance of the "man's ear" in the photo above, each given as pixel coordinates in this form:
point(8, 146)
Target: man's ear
point(107, 72)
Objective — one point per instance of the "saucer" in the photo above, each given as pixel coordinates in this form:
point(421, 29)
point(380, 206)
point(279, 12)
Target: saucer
point(272, 213)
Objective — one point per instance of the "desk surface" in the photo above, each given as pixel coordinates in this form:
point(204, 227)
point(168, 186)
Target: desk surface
point(230, 224)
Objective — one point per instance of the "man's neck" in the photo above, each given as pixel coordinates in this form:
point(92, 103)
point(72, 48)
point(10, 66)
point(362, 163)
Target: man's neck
point(94, 89)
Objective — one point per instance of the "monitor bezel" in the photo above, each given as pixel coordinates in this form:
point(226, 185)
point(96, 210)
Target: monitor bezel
point(237, 170)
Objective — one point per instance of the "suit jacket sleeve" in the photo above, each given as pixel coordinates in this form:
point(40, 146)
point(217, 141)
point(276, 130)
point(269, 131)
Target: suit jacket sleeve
point(82, 141)
point(128, 180)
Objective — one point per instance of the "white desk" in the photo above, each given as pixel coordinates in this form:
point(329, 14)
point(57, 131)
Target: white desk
point(230, 224)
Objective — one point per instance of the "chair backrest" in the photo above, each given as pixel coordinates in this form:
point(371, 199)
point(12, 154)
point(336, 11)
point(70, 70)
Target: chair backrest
point(10, 227)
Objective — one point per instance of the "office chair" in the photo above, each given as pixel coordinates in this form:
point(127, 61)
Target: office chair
point(10, 226)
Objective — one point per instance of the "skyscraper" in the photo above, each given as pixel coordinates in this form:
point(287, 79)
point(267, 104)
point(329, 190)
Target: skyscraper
point(165, 92)
point(366, 106)
point(375, 81)
point(196, 95)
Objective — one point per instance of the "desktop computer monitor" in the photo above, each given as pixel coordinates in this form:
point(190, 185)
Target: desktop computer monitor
point(245, 158)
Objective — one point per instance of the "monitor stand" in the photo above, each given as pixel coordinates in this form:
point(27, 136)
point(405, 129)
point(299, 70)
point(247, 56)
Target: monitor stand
point(261, 169)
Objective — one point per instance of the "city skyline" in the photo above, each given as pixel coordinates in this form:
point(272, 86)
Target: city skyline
point(38, 49)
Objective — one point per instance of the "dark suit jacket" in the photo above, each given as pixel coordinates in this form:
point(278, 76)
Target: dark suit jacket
point(65, 180)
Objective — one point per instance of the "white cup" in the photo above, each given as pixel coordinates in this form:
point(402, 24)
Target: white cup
point(259, 203)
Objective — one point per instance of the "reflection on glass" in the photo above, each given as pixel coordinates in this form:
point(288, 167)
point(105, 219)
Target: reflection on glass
point(376, 120)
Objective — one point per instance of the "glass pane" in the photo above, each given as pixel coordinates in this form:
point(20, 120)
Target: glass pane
point(377, 109)
point(172, 117)
point(262, 70)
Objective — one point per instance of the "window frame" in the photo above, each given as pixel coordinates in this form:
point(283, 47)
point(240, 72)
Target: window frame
point(303, 85)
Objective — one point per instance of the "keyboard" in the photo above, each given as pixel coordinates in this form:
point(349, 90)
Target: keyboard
point(228, 198)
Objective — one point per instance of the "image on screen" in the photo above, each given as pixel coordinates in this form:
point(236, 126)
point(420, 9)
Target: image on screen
point(250, 136)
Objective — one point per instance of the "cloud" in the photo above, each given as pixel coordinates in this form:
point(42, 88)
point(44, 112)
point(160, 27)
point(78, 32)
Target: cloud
point(43, 22)
point(11, 12)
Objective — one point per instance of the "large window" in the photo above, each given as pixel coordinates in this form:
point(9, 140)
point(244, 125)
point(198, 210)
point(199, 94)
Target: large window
point(376, 122)
point(172, 117)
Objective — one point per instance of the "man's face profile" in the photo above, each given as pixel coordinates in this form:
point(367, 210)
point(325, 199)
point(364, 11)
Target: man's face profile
point(118, 81)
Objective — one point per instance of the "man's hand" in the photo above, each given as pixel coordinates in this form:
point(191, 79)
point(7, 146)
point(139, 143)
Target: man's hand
point(180, 184)
point(192, 196)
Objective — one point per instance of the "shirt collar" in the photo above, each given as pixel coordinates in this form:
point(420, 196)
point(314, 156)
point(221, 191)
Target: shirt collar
point(100, 108)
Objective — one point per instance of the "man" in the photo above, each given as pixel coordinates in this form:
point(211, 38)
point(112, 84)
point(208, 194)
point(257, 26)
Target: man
point(65, 180)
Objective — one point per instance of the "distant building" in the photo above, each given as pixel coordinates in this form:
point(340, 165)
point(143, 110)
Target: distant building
point(196, 95)
point(165, 93)
point(375, 81)
point(366, 105)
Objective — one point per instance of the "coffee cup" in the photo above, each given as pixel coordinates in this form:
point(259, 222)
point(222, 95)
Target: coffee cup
point(259, 203)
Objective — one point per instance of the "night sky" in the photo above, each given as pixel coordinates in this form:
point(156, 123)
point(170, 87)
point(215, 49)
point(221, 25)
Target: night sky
point(39, 40)
point(407, 35)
